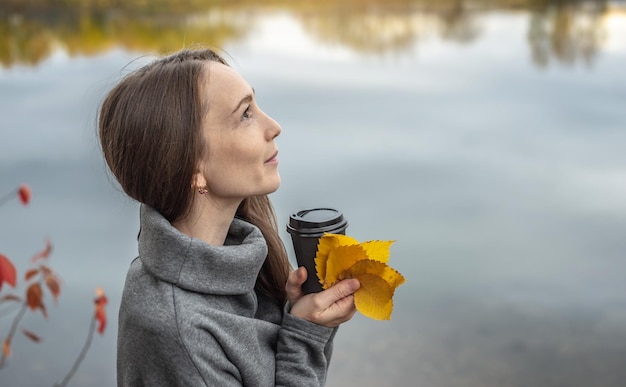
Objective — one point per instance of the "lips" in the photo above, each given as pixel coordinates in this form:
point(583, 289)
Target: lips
point(272, 158)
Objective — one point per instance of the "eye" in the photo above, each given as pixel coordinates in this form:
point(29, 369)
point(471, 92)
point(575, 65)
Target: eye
point(247, 114)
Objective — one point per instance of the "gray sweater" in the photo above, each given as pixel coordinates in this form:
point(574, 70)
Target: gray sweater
point(190, 316)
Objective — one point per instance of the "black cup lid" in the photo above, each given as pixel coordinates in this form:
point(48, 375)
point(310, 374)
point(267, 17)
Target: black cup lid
point(316, 220)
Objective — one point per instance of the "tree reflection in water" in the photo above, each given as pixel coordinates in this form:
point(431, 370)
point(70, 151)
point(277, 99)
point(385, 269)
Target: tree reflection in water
point(564, 31)
point(567, 33)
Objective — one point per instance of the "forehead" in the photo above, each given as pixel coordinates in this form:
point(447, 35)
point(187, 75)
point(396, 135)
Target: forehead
point(223, 87)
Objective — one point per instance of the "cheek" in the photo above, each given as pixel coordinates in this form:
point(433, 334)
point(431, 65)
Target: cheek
point(238, 157)
point(233, 160)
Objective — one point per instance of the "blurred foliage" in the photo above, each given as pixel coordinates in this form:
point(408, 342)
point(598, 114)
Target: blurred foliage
point(30, 30)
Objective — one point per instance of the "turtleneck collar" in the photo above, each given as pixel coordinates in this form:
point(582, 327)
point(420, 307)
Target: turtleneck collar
point(192, 264)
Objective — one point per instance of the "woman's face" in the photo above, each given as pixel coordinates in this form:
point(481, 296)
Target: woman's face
point(240, 158)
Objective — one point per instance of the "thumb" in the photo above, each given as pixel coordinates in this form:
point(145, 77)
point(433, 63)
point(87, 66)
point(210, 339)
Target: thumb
point(293, 288)
point(339, 291)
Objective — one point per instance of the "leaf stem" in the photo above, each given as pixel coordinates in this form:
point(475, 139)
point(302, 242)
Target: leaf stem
point(81, 356)
point(9, 337)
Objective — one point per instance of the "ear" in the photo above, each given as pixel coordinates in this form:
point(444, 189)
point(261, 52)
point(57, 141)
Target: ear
point(198, 180)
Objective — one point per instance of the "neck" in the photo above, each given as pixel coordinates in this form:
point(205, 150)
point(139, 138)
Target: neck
point(209, 219)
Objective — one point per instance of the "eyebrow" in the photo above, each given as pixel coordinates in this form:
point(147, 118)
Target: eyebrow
point(245, 99)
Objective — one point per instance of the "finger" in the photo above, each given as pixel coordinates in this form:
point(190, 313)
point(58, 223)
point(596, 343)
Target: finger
point(347, 307)
point(337, 292)
point(293, 288)
point(339, 312)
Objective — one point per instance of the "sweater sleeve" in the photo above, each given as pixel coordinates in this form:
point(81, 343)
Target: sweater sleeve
point(303, 352)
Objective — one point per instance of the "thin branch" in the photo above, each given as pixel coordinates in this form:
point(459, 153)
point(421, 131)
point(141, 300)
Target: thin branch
point(8, 309)
point(81, 356)
point(9, 337)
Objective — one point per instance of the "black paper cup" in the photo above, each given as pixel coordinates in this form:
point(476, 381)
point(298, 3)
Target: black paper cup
point(306, 227)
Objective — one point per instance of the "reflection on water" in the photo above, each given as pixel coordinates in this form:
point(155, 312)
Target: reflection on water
point(567, 34)
point(564, 31)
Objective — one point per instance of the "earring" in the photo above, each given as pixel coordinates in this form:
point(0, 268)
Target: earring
point(202, 190)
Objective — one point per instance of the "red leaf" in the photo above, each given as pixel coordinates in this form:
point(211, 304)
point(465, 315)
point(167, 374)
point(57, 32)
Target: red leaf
point(100, 302)
point(47, 250)
point(31, 335)
point(101, 317)
point(45, 270)
point(30, 274)
point(10, 297)
point(52, 281)
point(34, 297)
point(43, 253)
point(8, 273)
point(24, 193)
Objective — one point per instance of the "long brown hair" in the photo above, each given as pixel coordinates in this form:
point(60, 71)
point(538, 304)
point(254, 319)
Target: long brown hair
point(150, 132)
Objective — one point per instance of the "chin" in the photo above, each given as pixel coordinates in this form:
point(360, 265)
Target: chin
point(275, 188)
point(266, 186)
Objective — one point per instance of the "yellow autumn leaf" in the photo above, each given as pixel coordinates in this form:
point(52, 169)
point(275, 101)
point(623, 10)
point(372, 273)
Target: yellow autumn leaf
point(344, 240)
point(393, 277)
point(382, 270)
point(373, 299)
point(377, 250)
point(340, 259)
point(327, 243)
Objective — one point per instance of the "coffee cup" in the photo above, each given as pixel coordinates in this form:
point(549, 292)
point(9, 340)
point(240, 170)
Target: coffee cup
point(306, 227)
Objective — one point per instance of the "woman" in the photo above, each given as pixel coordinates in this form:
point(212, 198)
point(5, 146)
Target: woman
point(211, 300)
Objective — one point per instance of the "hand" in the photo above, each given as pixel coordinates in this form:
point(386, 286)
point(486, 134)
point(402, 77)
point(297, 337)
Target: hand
point(329, 308)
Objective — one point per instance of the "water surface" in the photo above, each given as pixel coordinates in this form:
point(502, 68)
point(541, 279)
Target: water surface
point(488, 142)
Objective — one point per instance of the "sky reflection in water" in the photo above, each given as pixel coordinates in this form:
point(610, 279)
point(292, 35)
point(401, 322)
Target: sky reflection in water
point(502, 181)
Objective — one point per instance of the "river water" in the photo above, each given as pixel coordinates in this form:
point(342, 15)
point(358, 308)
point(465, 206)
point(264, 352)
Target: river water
point(488, 142)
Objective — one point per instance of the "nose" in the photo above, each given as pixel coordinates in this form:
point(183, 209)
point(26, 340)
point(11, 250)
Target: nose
point(273, 128)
